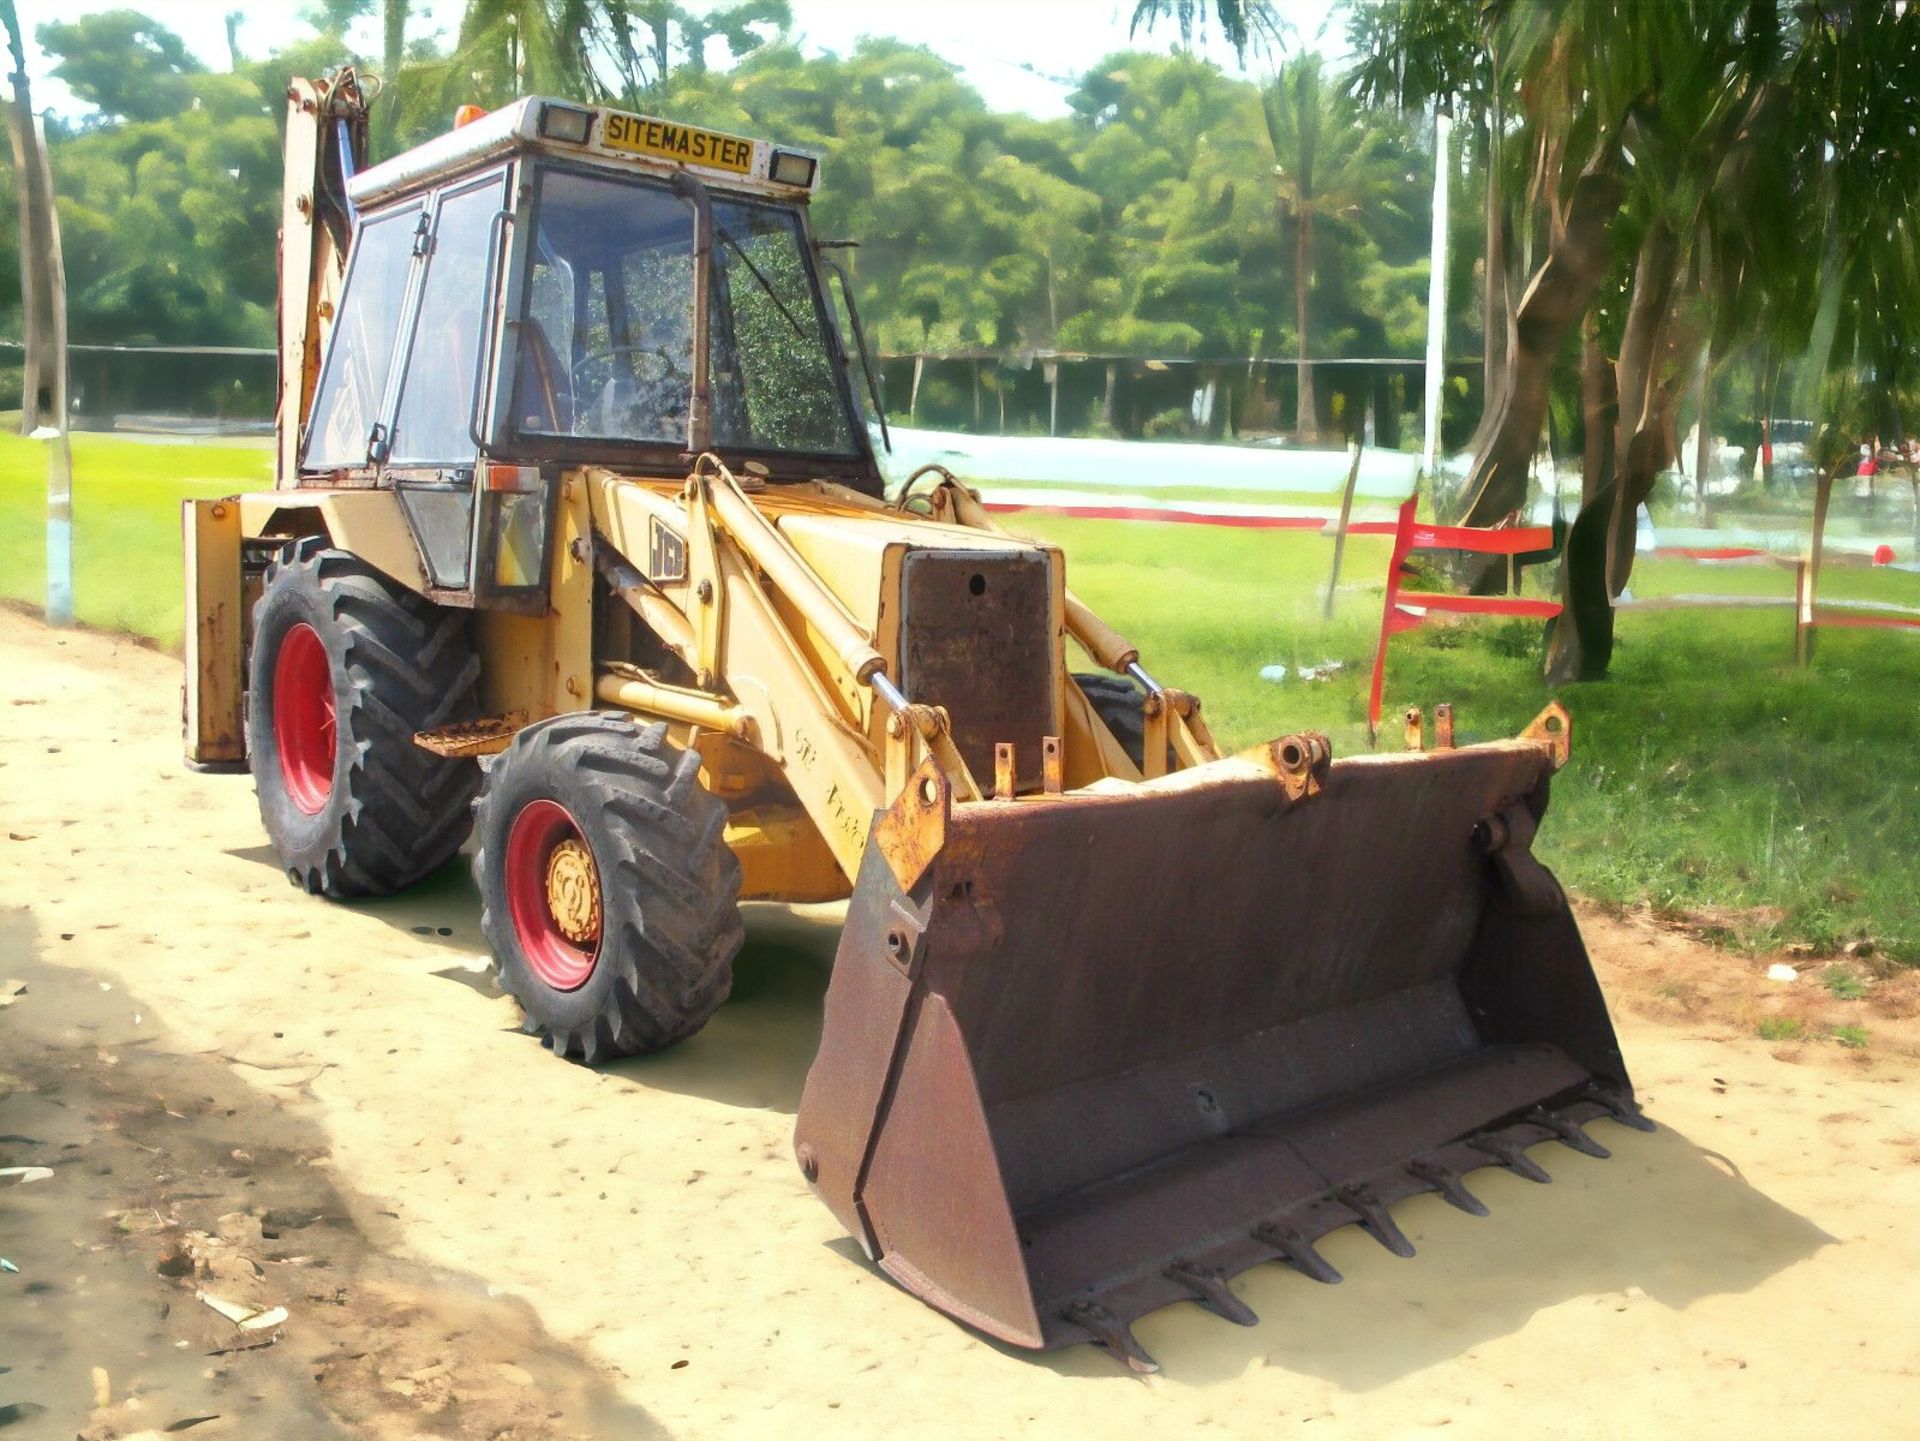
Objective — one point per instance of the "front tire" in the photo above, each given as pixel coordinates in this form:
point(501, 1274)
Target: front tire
point(608, 895)
point(346, 667)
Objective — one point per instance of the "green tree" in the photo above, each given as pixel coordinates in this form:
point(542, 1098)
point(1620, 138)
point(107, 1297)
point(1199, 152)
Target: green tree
point(1698, 174)
point(168, 215)
point(122, 63)
point(1170, 148)
point(1439, 55)
point(1330, 170)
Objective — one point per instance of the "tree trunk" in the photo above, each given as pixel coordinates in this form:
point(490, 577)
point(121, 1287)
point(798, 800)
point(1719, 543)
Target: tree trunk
point(39, 364)
point(1703, 432)
point(1496, 310)
point(393, 50)
point(1599, 408)
point(1653, 451)
point(1598, 560)
point(1580, 646)
point(1433, 392)
point(1306, 422)
point(662, 56)
point(1763, 406)
point(1555, 300)
point(1637, 433)
point(1107, 400)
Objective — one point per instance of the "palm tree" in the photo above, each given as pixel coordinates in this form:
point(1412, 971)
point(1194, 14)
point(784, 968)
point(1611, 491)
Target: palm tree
point(1710, 174)
point(393, 50)
point(606, 50)
point(1331, 170)
point(504, 49)
point(1242, 22)
point(1440, 55)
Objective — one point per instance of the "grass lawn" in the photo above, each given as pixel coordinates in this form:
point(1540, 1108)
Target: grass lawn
point(126, 528)
point(1710, 775)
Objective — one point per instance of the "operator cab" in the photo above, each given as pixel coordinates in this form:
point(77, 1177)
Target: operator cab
point(524, 295)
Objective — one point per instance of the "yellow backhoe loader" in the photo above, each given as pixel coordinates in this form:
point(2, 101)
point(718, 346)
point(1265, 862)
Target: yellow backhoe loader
point(578, 513)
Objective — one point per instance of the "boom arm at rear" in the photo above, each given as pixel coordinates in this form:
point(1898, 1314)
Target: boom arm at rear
point(326, 142)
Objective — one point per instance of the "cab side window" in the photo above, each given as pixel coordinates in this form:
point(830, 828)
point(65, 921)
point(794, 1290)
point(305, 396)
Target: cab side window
point(433, 424)
point(360, 351)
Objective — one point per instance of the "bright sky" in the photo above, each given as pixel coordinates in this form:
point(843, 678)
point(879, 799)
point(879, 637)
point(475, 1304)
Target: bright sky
point(1020, 54)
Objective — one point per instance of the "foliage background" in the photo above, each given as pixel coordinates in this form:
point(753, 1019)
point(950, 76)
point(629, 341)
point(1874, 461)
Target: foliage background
point(1146, 223)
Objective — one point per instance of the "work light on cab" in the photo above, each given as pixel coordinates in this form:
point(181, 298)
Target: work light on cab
point(566, 123)
point(789, 168)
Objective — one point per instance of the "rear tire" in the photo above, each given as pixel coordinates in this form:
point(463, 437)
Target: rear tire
point(1121, 705)
point(346, 667)
point(608, 895)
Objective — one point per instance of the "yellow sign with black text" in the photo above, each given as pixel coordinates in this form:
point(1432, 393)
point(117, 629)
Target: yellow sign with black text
point(642, 135)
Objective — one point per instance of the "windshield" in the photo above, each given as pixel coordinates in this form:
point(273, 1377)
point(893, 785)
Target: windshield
point(606, 341)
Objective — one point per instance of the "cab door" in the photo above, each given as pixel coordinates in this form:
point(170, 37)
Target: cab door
point(431, 445)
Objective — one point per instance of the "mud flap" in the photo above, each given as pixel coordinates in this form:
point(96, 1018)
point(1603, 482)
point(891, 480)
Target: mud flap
point(1087, 1055)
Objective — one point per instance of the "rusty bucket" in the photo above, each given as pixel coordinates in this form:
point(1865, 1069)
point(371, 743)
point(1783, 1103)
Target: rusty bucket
point(1086, 1055)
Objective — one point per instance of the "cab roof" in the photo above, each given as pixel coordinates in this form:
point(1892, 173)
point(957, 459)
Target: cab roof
point(618, 139)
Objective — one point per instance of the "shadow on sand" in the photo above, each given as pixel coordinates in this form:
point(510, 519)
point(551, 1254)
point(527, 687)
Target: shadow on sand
point(755, 1052)
point(442, 910)
point(1665, 1222)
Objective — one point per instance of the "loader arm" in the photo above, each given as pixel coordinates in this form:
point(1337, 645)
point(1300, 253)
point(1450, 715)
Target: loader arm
point(326, 142)
point(779, 661)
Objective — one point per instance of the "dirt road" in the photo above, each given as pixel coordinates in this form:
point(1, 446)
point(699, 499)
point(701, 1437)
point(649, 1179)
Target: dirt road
point(511, 1246)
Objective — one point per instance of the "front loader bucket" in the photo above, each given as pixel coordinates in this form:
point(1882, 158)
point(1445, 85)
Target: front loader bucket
point(1085, 1055)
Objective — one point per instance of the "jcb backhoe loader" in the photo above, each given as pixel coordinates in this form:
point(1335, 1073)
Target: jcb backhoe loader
point(578, 512)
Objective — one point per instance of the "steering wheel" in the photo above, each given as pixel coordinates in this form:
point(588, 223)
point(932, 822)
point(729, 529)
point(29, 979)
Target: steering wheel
point(665, 368)
point(647, 401)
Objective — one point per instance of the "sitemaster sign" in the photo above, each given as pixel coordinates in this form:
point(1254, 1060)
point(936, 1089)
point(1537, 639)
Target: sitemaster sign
point(641, 135)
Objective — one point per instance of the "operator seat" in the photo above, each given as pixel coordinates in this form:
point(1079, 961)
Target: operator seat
point(545, 399)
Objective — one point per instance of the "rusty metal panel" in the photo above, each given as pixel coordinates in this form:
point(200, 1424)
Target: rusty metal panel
point(487, 736)
point(1108, 1050)
point(976, 639)
point(214, 702)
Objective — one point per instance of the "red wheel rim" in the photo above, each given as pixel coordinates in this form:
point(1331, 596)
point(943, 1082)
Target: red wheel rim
point(553, 895)
point(303, 720)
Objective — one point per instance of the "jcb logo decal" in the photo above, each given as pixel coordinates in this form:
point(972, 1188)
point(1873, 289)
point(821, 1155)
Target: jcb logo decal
point(666, 553)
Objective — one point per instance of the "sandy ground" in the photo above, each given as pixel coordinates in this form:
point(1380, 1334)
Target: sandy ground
point(513, 1246)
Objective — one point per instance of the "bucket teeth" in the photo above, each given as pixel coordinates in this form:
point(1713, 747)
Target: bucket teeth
point(1618, 1106)
point(1511, 1154)
point(1451, 1188)
point(1570, 1133)
point(1375, 1219)
point(1297, 1251)
point(1113, 1333)
point(1210, 1289)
